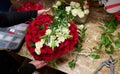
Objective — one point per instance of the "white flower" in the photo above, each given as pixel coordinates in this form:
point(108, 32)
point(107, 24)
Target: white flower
point(86, 11)
point(80, 26)
point(68, 8)
point(79, 10)
point(48, 32)
point(72, 4)
point(58, 3)
point(61, 39)
point(74, 12)
point(55, 6)
point(65, 30)
point(37, 51)
point(81, 14)
point(38, 46)
point(77, 5)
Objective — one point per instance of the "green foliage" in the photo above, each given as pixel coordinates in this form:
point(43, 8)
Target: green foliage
point(107, 40)
point(82, 34)
point(94, 56)
point(41, 27)
point(32, 44)
point(54, 62)
point(110, 51)
point(71, 64)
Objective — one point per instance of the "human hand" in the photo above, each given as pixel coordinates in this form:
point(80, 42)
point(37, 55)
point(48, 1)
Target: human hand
point(43, 11)
point(38, 64)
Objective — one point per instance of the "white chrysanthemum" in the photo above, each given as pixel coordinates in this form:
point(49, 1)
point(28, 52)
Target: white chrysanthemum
point(61, 39)
point(65, 30)
point(48, 31)
point(86, 11)
point(38, 46)
point(37, 51)
point(72, 4)
point(68, 8)
point(58, 3)
point(74, 12)
point(77, 5)
point(81, 14)
point(80, 26)
point(55, 6)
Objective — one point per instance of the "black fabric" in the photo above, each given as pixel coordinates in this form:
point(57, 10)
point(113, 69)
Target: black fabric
point(28, 69)
point(8, 65)
point(13, 18)
point(5, 5)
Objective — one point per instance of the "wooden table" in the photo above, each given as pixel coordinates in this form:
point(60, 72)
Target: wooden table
point(84, 64)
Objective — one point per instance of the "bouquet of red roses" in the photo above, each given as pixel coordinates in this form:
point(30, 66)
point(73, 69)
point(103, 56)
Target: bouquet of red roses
point(47, 39)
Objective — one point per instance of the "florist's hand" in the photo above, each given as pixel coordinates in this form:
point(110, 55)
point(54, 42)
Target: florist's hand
point(43, 11)
point(38, 64)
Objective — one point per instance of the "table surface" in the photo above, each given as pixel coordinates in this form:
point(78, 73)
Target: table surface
point(84, 64)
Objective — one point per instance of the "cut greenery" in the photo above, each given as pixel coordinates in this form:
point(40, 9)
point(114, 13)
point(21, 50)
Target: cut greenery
point(108, 42)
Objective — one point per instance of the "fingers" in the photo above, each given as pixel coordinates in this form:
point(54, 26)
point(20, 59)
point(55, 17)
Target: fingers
point(43, 11)
point(38, 64)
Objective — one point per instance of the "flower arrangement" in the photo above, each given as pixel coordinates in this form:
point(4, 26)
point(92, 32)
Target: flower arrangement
point(73, 9)
point(48, 38)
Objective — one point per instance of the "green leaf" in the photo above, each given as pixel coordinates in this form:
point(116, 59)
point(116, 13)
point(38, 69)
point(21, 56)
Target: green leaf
point(111, 37)
point(32, 18)
point(32, 44)
point(117, 44)
point(107, 41)
point(110, 30)
point(67, 36)
point(71, 64)
point(102, 28)
point(103, 37)
point(79, 49)
point(47, 39)
point(41, 27)
point(119, 35)
point(53, 45)
point(54, 63)
point(44, 36)
point(95, 56)
point(110, 51)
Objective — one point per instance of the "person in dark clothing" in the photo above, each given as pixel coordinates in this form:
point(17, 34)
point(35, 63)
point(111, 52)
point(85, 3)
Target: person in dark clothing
point(8, 64)
point(5, 5)
point(12, 18)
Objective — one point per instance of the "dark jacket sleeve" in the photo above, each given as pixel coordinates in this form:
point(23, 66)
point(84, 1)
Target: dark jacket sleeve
point(13, 18)
point(28, 69)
